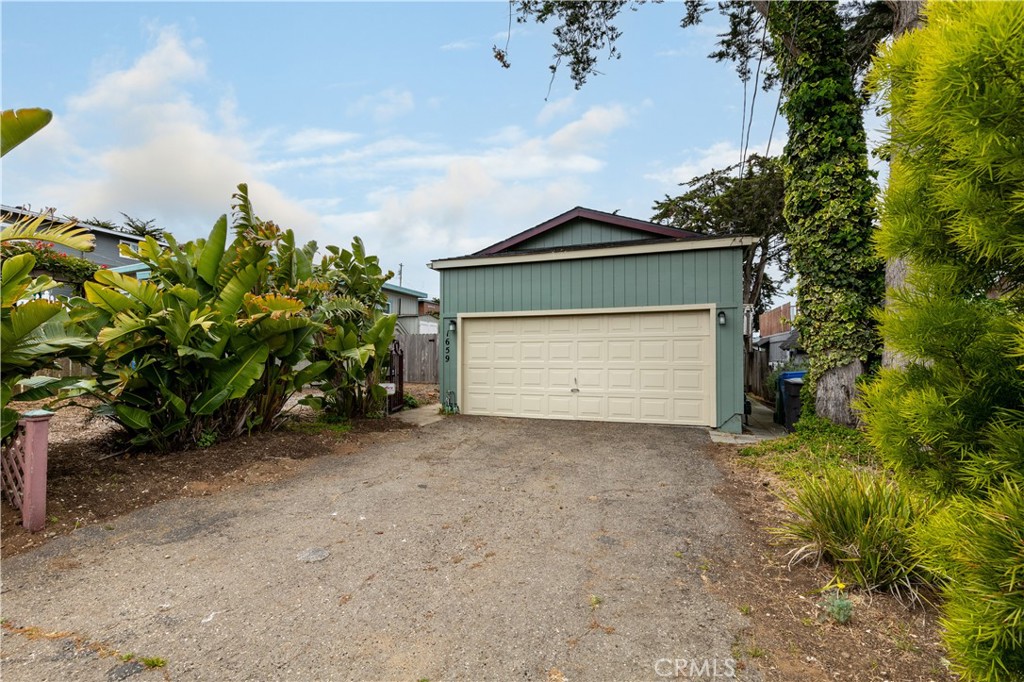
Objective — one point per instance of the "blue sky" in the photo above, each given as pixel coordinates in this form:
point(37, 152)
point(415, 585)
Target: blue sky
point(391, 121)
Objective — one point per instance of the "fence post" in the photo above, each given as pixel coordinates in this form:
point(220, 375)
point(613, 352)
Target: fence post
point(33, 504)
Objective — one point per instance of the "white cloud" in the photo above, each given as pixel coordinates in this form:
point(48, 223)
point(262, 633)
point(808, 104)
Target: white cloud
point(168, 64)
point(384, 105)
point(556, 109)
point(451, 198)
point(152, 152)
point(459, 45)
point(317, 138)
point(596, 122)
point(701, 161)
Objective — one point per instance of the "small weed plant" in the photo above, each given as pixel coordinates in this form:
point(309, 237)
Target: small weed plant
point(410, 401)
point(837, 607)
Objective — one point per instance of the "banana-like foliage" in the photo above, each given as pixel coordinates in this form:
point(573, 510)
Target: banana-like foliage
point(358, 334)
point(33, 331)
point(212, 342)
point(17, 126)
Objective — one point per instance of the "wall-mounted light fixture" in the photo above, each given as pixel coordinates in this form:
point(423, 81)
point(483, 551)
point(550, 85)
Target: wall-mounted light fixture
point(451, 325)
point(721, 318)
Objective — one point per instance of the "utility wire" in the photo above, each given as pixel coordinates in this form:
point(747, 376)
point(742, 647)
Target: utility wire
point(745, 144)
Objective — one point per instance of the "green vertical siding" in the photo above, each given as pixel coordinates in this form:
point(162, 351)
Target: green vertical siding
point(579, 232)
point(660, 279)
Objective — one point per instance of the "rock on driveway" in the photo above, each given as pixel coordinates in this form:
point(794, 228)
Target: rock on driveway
point(474, 548)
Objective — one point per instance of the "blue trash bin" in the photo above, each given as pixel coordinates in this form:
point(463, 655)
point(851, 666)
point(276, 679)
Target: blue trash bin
point(780, 393)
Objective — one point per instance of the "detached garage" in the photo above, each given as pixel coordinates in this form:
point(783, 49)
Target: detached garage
point(594, 316)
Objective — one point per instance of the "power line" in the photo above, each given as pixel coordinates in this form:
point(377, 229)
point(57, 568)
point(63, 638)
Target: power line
point(753, 102)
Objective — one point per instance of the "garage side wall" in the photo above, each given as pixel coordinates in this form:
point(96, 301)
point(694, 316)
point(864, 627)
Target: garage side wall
point(694, 277)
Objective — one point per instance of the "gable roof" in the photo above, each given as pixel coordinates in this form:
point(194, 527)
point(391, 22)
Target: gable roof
point(642, 226)
point(388, 286)
point(16, 212)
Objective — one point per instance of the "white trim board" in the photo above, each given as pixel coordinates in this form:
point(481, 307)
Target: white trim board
point(596, 252)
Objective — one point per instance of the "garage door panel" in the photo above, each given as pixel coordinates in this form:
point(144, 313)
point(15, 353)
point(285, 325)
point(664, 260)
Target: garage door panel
point(505, 377)
point(505, 404)
point(689, 351)
point(591, 407)
point(622, 351)
point(654, 409)
point(504, 326)
point(654, 380)
point(591, 351)
point(591, 379)
point(691, 325)
point(478, 377)
point(655, 350)
point(622, 380)
point(506, 351)
point(622, 324)
point(531, 326)
point(560, 351)
point(478, 351)
point(684, 380)
point(622, 409)
point(532, 377)
point(532, 405)
point(530, 351)
point(560, 378)
point(591, 325)
point(688, 410)
point(561, 406)
point(561, 326)
point(656, 323)
point(631, 367)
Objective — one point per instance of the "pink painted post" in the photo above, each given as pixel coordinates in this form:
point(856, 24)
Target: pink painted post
point(33, 502)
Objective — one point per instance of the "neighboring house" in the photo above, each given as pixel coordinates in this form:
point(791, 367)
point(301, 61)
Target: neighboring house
point(429, 312)
point(106, 251)
point(595, 316)
point(406, 304)
point(778, 337)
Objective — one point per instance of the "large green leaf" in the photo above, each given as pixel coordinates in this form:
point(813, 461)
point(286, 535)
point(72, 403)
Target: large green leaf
point(310, 373)
point(133, 418)
point(27, 318)
point(234, 291)
point(141, 290)
point(8, 420)
point(39, 387)
point(213, 251)
point(15, 276)
point(108, 299)
point(41, 228)
point(18, 126)
point(232, 380)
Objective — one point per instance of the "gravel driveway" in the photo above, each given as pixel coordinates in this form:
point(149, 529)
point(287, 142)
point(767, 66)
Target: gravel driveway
point(474, 548)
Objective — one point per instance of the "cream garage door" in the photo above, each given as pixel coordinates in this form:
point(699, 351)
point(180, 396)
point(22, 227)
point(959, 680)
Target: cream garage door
point(655, 367)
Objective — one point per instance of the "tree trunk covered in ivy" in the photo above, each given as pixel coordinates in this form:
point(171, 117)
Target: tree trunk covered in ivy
point(828, 204)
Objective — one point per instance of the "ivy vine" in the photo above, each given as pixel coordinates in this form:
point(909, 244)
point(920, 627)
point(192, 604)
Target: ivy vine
point(829, 189)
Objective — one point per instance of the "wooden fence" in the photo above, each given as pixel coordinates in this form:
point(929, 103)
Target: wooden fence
point(756, 374)
point(421, 357)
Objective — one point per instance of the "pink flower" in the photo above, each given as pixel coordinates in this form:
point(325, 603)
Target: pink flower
point(103, 267)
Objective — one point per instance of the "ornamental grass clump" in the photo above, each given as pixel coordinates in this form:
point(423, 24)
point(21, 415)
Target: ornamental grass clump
point(861, 522)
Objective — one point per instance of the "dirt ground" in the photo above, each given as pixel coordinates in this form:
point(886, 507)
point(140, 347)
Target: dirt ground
point(83, 489)
point(728, 576)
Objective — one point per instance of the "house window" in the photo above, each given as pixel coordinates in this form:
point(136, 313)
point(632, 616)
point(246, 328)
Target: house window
point(132, 246)
point(387, 307)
